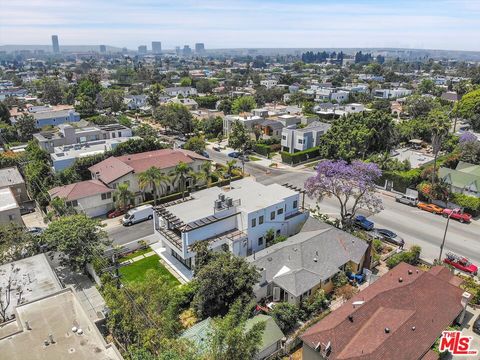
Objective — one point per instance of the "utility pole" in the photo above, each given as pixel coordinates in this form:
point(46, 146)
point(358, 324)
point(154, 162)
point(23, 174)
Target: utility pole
point(117, 266)
point(443, 241)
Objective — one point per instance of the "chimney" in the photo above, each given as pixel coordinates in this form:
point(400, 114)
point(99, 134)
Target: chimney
point(466, 296)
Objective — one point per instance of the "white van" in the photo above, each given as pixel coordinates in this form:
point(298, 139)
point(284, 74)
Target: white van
point(138, 214)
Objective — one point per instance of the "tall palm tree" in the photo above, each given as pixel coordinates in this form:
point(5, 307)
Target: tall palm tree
point(123, 196)
point(182, 173)
point(207, 172)
point(152, 178)
point(440, 126)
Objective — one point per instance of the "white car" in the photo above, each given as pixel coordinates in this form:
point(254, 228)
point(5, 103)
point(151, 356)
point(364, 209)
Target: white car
point(138, 214)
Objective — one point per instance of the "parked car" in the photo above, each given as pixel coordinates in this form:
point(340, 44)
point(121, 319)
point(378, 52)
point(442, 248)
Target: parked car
point(461, 263)
point(430, 207)
point(216, 147)
point(234, 154)
point(476, 326)
point(138, 214)
point(26, 210)
point(117, 212)
point(244, 158)
point(362, 222)
point(407, 200)
point(204, 154)
point(390, 236)
point(35, 230)
point(457, 214)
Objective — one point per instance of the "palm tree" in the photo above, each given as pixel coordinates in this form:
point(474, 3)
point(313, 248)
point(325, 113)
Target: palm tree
point(152, 178)
point(440, 126)
point(123, 196)
point(182, 172)
point(207, 172)
point(230, 167)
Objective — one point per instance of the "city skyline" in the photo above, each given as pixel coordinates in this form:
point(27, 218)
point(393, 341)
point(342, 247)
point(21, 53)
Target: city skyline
point(424, 24)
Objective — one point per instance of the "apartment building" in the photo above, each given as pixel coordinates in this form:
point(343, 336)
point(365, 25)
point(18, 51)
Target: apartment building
point(295, 139)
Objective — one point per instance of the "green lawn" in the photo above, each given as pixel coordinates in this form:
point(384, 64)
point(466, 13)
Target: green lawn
point(134, 254)
point(136, 271)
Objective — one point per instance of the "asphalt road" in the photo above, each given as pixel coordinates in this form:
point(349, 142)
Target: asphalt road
point(121, 235)
point(416, 226)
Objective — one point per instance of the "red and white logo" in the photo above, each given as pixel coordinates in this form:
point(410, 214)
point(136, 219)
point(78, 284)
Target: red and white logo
point(456, 343)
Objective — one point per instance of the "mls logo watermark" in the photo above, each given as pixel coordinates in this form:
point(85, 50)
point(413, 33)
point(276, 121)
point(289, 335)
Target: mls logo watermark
point(456, 343)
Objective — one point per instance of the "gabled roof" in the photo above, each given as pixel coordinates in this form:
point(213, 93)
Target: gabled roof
point(466, 175)
point(272, 333)
point(110, 169)
point(415, 310)
point(79, 190)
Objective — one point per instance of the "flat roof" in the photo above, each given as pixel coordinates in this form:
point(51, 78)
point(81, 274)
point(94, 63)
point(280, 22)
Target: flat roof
point(34, 275)
point(7, 200)
point(10, 176)
point(253, 196)
point(54, 315)
point(86, 149)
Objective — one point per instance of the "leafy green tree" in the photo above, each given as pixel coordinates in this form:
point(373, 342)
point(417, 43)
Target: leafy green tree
point(417, 105)
point(469, 108)
point(4, 113)
point(26, 126)
point(243, 104)
point(153, 178)
point(16, 243)
point(135, 146)
point(207, 172)
point(195, 143)
point(145, 131)
point(440, 126)
point(339, 279)
point(123, 196)
point(410, 257)
point(185, 81)
point(205, 85)
point(79, 238)
point(285, 315)
point(225, 279)
point(226, 106)
point(153, 96)
point(175, 117)
point(111, 99)
point(239, 137)
point(52, 91)
point(230, 339)
point(211, 126)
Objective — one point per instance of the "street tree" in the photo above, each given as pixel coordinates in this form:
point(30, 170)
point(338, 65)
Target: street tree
point(195, 143)
point(225, 279)
point(26, 127)
point(175, 117)
point(79, 238)
point(353, 185)
point(440, 125)
point(239, 138)
point(111, 99)
point(16, 243)
point(153, 96)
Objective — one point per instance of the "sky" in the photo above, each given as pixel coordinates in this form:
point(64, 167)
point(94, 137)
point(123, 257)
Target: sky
point(424, 24)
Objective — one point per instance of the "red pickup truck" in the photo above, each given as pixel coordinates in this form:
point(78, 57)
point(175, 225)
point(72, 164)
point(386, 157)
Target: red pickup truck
point(457, 214)
point(461, 263)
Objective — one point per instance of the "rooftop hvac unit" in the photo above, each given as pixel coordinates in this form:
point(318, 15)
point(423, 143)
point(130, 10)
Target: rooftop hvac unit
point(218, 204)
point(229, 202)
point(221, 197)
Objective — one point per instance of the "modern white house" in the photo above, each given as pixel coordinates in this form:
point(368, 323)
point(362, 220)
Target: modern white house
point(90, 197)
point(269, 83)
point(237, 216)
point(391, 93)
point(66, 134)
point(294, 139)
point(248, 121)
point(181, 90)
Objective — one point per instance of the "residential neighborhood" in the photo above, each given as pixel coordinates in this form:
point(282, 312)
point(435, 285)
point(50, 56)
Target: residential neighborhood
point(227, 181)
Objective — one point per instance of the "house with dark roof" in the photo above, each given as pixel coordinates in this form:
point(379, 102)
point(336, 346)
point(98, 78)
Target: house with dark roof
point(399, 316)
point(91, 197)
point(293, 269)
point(125, 169)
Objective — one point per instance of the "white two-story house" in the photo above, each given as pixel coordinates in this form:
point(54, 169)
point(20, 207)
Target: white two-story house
point(237, 216)
point(294, 140)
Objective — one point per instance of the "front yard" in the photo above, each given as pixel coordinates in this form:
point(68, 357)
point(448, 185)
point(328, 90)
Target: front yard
point(136, 271)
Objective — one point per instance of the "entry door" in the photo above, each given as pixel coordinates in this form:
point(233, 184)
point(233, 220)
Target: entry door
point(276, 293)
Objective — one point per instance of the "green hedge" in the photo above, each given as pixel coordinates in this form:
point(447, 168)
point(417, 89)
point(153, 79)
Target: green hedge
point(470, 204)
point(402, 179)
point(300, 156)
point(262, 149)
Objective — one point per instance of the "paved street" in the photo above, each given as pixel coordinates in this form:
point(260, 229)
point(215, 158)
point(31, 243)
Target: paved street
point(417, 227)
point(121, 235)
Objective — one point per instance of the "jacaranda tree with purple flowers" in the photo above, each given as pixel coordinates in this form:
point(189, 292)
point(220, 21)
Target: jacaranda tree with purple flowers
point(353, 185)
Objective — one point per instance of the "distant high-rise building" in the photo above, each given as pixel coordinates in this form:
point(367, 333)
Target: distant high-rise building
point(199, 48)
point(142, 49)
point(177, 50)
point(124, 50)
point(55, 46)
point(103, 49)
point(156, 47)
point(186, 50)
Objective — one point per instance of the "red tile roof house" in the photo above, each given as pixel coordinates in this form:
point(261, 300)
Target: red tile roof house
point(397, 317)
point(125, 169)
point(91, 197)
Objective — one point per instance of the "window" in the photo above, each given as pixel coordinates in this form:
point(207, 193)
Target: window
point(295, 204)
point(260, 241)
point(278, 232)
point(272, 215)
point(11, 217)
point(113, 135)
point(254, 222)
point(279, 211)
point(260, 220)
point(119, 134)
point(73, 203)
point(300, 141)
point(106, 196)
point(284, 137)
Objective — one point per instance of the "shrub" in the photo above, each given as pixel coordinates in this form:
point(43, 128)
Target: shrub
point(470, 204)
point(285, 315)
point(300, 156)
point(340, 279)
point(410, 257)
point(314, 304)
point(262, 149)
point(402, 179)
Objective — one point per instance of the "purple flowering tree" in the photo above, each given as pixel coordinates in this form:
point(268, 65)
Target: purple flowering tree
point(353, 185)
point(467, 137)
